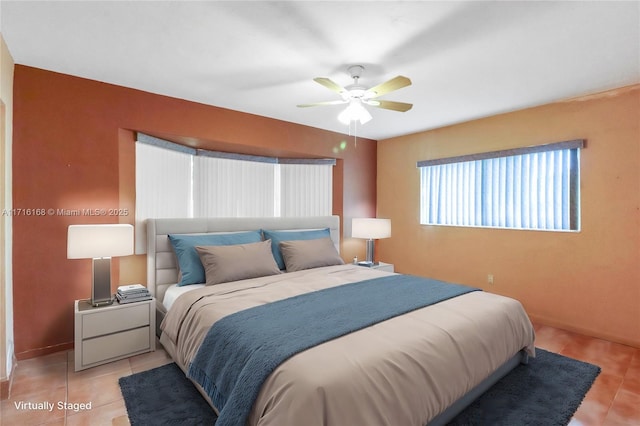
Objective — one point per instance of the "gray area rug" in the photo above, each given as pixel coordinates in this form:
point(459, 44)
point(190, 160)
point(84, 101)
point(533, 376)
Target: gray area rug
point(545, 392)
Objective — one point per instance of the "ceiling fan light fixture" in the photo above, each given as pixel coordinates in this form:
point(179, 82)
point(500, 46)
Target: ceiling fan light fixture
point(358, 97)
point(355, 112)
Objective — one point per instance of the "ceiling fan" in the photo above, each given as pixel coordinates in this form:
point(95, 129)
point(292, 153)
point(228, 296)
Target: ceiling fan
point(357, 96)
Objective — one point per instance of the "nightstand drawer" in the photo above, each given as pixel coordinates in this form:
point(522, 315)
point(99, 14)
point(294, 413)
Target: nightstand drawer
point(99, 322)
point(115, 345)
point(109, 333)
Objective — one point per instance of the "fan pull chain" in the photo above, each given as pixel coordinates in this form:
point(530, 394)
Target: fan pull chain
point(355, 132)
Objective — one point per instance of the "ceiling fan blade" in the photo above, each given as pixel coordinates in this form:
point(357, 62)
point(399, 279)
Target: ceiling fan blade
point(322, 103)
point(330, 84)
point(395, 106)
point(388, 86)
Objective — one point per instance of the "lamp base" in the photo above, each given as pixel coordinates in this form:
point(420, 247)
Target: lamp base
point(105, 303)
point(368, 264)
point(370, 250)
point(101, 285)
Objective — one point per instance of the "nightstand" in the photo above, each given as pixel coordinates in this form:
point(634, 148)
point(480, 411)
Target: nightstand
point(109, 333)
point(388, 267)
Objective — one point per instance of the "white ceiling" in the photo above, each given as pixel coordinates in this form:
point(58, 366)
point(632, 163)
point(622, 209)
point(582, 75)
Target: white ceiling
point(466, 59)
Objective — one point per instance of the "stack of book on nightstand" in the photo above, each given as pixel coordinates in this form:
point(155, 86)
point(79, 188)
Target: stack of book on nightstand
point(132, 293)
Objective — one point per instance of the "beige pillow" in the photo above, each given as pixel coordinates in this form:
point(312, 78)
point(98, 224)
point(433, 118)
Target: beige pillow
point(237, 262)
point(307, 254)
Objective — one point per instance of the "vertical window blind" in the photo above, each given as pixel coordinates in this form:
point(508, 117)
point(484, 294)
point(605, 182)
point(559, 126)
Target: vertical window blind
point(525, 188)
point(177, 181)
point(233, 188)
point(305, 189)
point(161, 178)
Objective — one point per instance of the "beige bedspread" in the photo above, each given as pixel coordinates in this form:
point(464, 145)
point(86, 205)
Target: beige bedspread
point(403, 371)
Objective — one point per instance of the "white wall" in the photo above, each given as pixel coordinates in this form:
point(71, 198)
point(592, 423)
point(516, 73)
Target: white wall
point(6, 279)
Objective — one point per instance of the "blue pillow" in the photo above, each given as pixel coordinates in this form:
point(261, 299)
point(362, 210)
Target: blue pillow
point(191, 269)
point(277, 236)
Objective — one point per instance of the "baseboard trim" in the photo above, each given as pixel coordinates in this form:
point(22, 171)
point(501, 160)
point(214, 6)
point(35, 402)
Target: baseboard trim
point(581, 330)
point(34, 353)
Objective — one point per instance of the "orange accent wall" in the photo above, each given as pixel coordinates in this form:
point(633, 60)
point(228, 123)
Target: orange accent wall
point(73, 149)
point(588, 281)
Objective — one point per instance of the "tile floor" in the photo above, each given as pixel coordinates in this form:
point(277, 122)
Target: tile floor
point(614, 399)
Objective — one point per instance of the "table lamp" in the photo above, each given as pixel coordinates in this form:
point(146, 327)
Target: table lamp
point(371, 229)
point(100, 242)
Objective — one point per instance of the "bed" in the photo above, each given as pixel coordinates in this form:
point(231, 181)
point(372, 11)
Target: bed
point(415, 368)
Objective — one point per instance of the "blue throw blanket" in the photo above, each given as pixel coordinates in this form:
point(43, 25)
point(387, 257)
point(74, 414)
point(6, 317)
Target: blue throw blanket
point(242, 349)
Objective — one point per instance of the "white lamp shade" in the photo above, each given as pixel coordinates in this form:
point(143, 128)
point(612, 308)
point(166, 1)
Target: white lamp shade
point(355, 111)
point(371, 228)
point(103, 240)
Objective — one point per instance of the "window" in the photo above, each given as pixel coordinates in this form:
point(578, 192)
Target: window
point(305, 188)
point(163, 177)
point(526, 188)
point(177, 181)
point(224, 187)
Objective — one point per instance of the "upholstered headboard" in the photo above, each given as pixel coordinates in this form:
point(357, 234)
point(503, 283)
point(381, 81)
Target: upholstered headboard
point(162, 268)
